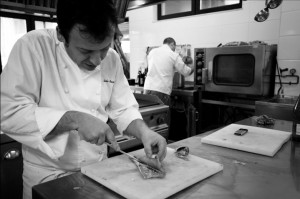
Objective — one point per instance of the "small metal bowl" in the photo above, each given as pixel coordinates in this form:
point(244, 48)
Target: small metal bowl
point(182, 152)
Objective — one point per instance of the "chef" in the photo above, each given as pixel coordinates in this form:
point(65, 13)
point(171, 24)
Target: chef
point(163, 62)
point(59, 89)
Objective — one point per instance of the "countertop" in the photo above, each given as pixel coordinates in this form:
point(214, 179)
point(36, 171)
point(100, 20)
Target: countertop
point(188, 90)
point(245, 175)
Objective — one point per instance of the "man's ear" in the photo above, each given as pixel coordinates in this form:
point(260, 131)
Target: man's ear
point(60, 37)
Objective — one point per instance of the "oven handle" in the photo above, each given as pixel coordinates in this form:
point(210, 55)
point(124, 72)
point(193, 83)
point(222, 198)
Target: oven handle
point(210, 71)
point(196, 116)
point(204, 75)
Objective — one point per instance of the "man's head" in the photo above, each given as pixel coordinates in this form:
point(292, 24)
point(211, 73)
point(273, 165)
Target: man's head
point(170, 42)
point(87, 29)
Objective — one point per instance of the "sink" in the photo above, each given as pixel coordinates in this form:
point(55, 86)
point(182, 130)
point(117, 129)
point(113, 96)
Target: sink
point(188, 88)
point(277, 107)
point(284, 100)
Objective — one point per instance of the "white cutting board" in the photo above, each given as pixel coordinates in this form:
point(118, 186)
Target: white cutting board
point(258, 140)
point(122, 176)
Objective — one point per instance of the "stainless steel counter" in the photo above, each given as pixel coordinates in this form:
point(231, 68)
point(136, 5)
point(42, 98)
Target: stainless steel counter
point(276, 107)
point(245, 175)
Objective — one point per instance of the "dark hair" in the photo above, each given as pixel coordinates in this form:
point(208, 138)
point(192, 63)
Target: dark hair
point(169, 40)
point(98, 17)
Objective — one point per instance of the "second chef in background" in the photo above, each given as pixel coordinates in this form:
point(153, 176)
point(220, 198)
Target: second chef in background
point(163, 62)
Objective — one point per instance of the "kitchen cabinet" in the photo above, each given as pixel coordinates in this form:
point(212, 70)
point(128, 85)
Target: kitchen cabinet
point(11, 168)
point(220, 109)
point(184, 113)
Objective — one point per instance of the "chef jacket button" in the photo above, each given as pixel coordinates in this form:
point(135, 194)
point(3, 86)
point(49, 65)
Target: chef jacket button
point(93, 110)
point(66, 66)
point(66, 90)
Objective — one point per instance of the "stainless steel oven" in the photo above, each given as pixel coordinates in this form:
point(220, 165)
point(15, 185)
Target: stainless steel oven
point(247, 69)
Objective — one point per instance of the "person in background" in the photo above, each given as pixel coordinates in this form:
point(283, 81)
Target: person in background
point(163, 62)
point(59, 89)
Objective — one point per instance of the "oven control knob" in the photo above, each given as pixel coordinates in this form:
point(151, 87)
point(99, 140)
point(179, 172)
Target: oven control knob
point(199, 55)
point(198, 78)
point(199, 71)
point(199, 63)
point(160, 120)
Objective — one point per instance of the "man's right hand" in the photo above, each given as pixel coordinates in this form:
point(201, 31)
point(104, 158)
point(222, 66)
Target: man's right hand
point(90, 128)
point(187, 60)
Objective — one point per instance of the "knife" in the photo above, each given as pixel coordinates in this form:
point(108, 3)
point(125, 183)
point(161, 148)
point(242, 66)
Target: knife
point(123, 152)
point(134, 158)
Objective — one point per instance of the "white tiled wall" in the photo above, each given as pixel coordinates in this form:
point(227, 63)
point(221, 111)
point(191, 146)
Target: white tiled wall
point(207, 30)
point(289, 43)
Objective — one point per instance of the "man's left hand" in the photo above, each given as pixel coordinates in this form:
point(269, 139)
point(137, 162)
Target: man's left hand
point(154, 144)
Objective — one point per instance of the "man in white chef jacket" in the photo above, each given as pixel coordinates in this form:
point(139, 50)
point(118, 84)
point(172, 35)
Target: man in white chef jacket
point(59, 88)
point(163, 62)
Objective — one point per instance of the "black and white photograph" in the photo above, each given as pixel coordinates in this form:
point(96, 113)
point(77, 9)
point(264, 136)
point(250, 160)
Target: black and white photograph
point(150, 99)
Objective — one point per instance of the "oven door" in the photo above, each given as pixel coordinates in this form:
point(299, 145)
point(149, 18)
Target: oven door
point(236, 69)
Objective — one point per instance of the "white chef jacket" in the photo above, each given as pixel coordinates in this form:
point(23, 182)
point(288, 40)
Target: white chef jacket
point(162, 64)
point(40, 83)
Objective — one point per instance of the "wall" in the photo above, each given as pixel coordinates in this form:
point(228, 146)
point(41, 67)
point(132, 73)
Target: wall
point(207, 30)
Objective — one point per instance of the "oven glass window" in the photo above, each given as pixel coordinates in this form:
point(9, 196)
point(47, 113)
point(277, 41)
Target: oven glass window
point(234, 70)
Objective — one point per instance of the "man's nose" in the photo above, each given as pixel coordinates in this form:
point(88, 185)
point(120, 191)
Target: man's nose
point(95, 58)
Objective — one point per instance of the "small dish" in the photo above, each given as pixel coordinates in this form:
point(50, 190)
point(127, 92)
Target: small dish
point(182, 152)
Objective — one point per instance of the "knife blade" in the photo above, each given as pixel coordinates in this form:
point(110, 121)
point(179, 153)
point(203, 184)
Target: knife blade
point(123, 152)
point(134, 158)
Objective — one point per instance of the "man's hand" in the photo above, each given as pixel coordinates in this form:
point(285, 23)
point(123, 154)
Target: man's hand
point(90, 128)
point(152, 141)
point(187, 60)
point(154, 144)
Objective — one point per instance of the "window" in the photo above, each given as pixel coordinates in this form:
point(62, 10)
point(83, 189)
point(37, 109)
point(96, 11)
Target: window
point(180, 8)
point(125, 41)
point(14, 25)
point(176, 7)
point(45, 24)
point(14, 29)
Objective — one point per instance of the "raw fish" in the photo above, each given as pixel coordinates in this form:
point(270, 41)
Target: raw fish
point(150, 167)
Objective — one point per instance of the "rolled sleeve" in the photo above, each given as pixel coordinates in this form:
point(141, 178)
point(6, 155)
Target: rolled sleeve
point(181, 67)
point(126, 118)
point(47, 118)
